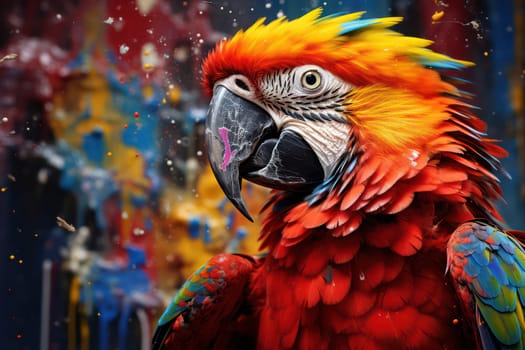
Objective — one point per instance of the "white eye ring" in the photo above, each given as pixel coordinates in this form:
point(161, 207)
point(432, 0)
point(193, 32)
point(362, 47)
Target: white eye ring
point(311, 79)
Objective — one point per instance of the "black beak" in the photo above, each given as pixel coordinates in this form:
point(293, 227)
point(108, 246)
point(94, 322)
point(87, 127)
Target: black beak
point(243, 141)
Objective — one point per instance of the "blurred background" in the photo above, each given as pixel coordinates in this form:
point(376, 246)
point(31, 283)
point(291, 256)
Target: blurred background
point(106, 200)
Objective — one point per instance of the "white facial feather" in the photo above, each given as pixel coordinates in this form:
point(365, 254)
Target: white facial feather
point(286, 99)
point(317, 114)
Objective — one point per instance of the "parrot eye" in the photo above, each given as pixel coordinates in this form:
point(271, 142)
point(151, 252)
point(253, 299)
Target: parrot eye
point(311, 79)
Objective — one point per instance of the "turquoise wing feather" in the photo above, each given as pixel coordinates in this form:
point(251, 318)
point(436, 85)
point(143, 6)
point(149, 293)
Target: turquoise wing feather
point(488, 266)
point(207, 301)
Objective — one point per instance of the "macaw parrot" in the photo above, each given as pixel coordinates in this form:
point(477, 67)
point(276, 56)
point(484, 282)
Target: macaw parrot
point(381, 230)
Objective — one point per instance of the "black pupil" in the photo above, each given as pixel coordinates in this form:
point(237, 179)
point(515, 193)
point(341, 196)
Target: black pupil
point(311, 79)
point(242, 84)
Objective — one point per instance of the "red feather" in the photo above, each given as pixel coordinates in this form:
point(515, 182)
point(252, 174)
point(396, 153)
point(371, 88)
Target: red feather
point(409, 239)
point(315, 260)
point(338, 219)
point(316, 217)
point(350, 226)
point(337, 284)
point(357, 304)
point(369, 269)
point(393, 266)
point(311, 339)
point(343, 250)
point(400, 200)
point(352, 196)
point(398, 293)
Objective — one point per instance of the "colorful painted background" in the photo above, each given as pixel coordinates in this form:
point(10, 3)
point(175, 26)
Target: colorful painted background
point(101, 125)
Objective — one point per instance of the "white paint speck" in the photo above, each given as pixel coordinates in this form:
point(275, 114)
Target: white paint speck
point(123, 49)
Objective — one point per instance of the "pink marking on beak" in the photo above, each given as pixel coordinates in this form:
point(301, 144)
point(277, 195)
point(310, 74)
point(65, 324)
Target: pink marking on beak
point(228, 154)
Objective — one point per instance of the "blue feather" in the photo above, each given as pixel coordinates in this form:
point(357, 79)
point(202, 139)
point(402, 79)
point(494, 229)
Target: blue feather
point(487, 285)
point(480, 258)
point(497, 271)
point(441, 64)
point(498, 287)
point(472, 269)
point(357, 24)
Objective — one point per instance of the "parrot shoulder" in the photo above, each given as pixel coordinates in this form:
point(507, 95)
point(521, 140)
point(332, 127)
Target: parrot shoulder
point(488, 268)
point(211, 300)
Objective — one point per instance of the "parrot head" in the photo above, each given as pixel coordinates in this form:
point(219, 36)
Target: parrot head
point(298, 104)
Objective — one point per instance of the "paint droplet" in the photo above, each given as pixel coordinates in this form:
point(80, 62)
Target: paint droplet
point(109, 154)
point(21, 261)
point(138, 231)
point(455, 321)
point(125, 126)
point(485, 53)
point(19, 336)
point(3, 189)
point(147, 66)
point(137, 155)
point(362, 276)
point(12, 257)
point(437, 15)
point(136, 114)
point(123, 49)
point(36, 235)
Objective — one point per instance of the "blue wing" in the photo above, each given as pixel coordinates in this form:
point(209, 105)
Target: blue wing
point(488, 266)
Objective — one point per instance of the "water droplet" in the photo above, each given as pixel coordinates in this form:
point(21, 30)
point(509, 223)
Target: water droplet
point(361, 276)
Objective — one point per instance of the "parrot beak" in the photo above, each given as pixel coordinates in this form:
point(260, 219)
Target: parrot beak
point(234, 127)
point(243, 141)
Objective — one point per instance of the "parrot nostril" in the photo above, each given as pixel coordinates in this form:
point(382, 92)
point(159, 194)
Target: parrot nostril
point(241, 84)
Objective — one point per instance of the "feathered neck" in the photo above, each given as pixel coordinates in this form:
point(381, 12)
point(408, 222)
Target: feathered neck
point(452, 177)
